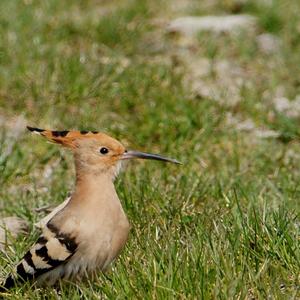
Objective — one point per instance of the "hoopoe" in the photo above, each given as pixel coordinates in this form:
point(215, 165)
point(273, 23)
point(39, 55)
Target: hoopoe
point(88, 233)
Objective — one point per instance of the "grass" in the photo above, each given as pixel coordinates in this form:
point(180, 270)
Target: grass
point(225, 225)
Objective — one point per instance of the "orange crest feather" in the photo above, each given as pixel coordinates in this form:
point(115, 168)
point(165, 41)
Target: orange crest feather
point(65, 137)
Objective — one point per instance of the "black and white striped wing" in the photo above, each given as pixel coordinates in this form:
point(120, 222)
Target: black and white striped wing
point(52, 249)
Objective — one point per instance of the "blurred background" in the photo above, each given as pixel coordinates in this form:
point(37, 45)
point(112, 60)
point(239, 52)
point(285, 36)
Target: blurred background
point(212, 83)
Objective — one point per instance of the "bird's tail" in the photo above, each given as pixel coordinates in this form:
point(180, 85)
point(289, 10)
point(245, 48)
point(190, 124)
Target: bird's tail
point(9, 283)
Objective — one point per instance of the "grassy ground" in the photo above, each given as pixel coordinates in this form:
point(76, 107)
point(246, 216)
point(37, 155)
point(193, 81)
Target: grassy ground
point(225, 225)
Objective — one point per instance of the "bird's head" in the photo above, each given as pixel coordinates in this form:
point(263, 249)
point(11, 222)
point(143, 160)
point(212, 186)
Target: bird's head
point(96, 152)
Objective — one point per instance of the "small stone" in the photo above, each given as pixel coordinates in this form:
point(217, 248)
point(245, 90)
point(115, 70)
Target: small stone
point(192, 25)
point(281, 104)
point(266, 133)
point(268, 43)
point(11, 227)
point(247, 125)
point(287, 107)
point(218, 80)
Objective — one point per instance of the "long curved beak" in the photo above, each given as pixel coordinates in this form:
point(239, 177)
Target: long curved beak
point(137, 154)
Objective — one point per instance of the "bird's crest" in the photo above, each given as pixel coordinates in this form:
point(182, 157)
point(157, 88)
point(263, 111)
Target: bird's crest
point(65, 137)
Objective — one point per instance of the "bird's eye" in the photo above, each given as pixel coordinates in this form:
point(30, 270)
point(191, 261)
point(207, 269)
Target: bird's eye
point(103, 150)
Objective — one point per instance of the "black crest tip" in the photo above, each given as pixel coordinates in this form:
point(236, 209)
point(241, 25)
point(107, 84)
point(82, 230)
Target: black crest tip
point(34, 129)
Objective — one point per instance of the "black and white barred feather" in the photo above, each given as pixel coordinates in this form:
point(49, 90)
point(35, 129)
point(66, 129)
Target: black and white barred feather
point(51, 250)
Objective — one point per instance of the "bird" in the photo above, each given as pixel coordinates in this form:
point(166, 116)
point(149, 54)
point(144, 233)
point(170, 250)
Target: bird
point(86, 234)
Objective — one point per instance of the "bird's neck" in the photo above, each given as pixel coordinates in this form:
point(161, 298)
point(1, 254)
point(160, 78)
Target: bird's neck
point(94, 188)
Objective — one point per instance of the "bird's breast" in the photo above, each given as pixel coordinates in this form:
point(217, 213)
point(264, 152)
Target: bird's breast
point(101, 235)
